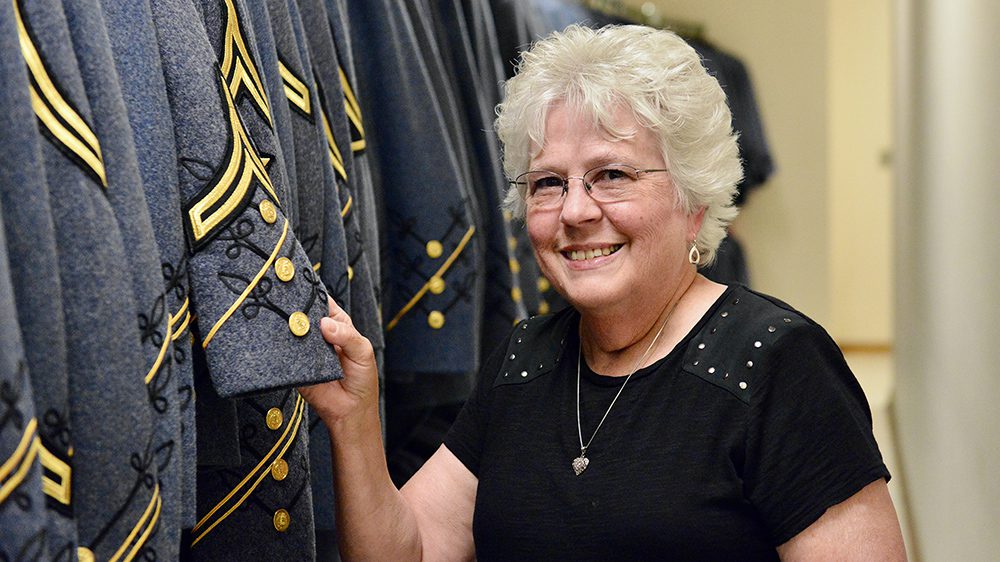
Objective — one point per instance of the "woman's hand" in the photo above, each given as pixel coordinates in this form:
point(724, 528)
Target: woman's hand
point(357, 393)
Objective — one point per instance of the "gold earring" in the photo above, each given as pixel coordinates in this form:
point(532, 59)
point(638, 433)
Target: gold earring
point(694, 255)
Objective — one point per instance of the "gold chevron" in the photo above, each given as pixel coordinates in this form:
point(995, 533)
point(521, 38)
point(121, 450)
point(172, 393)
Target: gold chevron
point(257, 474)
point(54, 112)
point(331, 144)
point(61, 490)
point(237, 64)
point(353, 110)
point(295, 90)
point(20, 460)
point(439, 274)
point(243, 167)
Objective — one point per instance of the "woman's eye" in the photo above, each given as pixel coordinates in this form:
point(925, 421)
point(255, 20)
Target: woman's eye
point(548, 182)
point(613, 174)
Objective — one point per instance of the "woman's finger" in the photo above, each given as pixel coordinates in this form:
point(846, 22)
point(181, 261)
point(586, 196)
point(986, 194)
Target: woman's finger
point(336, 312)
point(346, 340)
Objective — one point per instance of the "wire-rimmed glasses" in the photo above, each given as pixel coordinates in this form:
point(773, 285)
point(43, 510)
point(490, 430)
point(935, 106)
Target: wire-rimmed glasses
point(607, 183)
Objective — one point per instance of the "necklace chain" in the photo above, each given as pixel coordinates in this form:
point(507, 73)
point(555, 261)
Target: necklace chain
point(580, 463)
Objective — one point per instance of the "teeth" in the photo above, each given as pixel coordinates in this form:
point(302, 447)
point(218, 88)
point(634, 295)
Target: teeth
point(577, 255)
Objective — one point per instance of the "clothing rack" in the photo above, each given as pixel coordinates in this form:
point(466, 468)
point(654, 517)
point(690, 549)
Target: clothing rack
point(647, 15)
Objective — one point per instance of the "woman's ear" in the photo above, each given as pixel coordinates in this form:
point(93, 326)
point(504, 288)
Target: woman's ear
point(694, 223)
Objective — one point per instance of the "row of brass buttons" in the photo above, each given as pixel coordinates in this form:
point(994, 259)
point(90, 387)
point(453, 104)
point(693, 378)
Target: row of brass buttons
point(279, 469)
point(284, 269)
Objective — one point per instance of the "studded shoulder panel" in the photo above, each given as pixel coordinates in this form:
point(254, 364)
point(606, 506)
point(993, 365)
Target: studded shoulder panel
point(731, 351)
point(535, 347)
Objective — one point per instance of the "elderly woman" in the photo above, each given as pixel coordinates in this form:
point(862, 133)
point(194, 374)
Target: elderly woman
point(663, 416)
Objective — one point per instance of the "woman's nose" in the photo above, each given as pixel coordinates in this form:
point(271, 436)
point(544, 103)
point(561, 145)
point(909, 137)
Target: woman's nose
point(578, 206)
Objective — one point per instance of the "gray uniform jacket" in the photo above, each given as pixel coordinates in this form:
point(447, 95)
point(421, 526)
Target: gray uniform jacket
point(127, 197)
point(22, 505)
point(137, 61)
point(433, 302)
point(504, 302)
point(254, 289)
point(114, 491)
point(31, 247)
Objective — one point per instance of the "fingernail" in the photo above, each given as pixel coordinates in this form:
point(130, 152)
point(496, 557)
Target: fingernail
point(327, 323)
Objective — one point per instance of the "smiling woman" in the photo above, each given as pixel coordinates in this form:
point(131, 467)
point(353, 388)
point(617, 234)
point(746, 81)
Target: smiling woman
point(663, 416)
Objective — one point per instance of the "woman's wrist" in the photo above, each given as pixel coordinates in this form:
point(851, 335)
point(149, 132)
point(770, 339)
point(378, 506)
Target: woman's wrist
point(354, 428)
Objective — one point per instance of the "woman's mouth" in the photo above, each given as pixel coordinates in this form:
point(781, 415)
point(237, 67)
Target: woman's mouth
point(580, 255)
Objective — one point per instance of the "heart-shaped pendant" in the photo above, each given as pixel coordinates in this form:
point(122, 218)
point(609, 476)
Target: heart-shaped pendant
point(580, 464)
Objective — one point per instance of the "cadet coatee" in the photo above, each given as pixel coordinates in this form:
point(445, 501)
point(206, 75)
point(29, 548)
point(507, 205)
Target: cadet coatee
point(181, 184)
point(22, 505)
point(126, 195)
point(137, 60)
point(34, 267)
point(253, 498)
point(321, 166)
point(113, 487)
point(433, 298)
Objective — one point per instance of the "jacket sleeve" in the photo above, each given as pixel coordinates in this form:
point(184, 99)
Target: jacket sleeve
point(257, 299)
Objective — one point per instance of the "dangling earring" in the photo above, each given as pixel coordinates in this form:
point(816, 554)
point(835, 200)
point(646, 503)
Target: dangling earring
point(694, 255)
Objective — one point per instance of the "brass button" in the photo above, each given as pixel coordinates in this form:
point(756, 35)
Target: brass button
point(84, 554)
point(284, 269)
point(434, 249)
point(274, 418)
point(350, 273)
point(543, 284)
point(279, 469)
point(515, 267)
point(298, 323)
point(515, 294)
point(512, 243)
point(282, 520)
point(543, 307)
point(435, 319)
point(436, 285)
point(508, 216)
point(267, 211)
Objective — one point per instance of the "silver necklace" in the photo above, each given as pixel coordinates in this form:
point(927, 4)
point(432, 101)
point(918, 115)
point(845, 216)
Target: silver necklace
point(582, 462)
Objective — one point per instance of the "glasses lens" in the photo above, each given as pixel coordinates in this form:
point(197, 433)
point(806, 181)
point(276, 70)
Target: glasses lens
point(544, 188)
point(612, 182)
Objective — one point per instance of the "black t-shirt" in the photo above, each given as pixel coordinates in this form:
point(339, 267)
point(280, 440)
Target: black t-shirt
point(730, 445)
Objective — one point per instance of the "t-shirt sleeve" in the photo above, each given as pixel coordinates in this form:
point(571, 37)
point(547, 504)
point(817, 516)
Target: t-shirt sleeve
point(466, 436)
point(809, 434)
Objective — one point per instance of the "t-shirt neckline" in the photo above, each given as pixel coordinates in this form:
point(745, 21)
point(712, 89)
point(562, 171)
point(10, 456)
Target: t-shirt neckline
point(586, 373)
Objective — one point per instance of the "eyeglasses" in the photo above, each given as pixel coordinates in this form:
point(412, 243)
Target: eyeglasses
point(609, 183)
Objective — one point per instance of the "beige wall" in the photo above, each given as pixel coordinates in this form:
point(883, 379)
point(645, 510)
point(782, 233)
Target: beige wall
point(785, 224)
point(818, 235)
point(859, 195)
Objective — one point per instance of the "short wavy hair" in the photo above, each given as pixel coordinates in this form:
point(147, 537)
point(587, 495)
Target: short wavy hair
point(660, 78)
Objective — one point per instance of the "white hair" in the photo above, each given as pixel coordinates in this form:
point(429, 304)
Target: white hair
point(657, 76)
